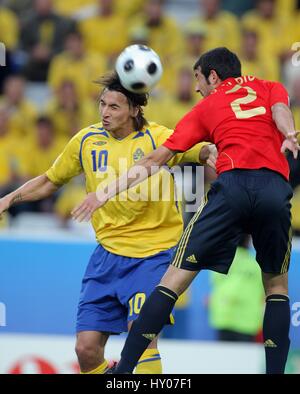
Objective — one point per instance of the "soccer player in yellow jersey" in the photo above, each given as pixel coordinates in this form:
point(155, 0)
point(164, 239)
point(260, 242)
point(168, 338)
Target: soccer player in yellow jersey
point(136, 238)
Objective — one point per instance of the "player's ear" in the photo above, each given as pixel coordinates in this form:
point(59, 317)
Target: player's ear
point(135, 111)
point(213, 77)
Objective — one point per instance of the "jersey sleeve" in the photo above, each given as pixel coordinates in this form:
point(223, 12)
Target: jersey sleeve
point(189, 131)
point(67, 165)
point(190, 156)
point(278, 94)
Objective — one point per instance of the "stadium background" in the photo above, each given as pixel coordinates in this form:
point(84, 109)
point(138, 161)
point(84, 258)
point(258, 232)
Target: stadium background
point(54, 50)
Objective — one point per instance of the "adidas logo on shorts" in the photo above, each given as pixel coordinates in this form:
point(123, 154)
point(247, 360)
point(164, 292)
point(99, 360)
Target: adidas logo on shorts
point(149, 336)
point(192, 259)
point(270, 343)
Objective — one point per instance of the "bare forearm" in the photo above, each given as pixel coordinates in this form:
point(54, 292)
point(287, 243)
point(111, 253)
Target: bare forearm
point(136, 174)
point(283, 118)
point(144, 168)
point(33, 190)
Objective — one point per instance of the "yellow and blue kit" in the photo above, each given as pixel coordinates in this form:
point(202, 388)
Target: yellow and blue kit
point(136, 238)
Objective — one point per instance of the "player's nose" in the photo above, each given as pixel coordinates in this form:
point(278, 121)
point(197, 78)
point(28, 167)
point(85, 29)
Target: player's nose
point(105, 112)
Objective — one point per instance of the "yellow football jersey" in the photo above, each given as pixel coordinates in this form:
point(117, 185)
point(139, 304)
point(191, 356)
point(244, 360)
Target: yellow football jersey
point(126, 225)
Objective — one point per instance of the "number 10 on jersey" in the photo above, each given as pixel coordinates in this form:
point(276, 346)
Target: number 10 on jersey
point(99, 160)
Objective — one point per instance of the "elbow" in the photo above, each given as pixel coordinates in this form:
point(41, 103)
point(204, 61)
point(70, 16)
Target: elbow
point(48, 186)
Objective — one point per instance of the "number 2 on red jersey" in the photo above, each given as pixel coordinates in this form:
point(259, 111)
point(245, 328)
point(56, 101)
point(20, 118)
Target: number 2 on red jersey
point(236, 104)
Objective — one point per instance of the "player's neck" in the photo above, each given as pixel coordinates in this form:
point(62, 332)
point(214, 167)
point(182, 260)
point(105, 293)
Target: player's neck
point(121, 133)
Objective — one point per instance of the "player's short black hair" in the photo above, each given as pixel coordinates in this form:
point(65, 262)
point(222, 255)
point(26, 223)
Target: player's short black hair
point(112, 82)
point(225, 63)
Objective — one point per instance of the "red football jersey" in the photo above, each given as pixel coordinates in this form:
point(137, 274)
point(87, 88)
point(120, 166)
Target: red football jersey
point(237, 118)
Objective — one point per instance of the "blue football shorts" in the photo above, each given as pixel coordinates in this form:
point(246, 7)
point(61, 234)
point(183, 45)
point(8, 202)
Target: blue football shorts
point(115, 287)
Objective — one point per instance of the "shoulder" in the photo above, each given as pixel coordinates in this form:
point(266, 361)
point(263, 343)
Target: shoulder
point(228, 17)
point(6, 13)
point(201, 107)
point(156, 129)
point(29, 107)
point(269, 85)
point(88, 131)
point(60, 58)
point(169, 22)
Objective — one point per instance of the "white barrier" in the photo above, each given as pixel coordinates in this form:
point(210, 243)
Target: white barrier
point(55, 354)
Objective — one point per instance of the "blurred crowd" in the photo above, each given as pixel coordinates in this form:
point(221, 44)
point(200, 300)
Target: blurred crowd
point(56, 49)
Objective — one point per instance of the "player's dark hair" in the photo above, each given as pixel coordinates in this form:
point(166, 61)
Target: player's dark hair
point(225, 63)
point(44, 120)
point(112, 82)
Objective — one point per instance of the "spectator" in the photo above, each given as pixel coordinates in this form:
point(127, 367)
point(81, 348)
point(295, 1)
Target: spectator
point(221, 26)
point(22, 113)
point(9, 32)
point(164, 36)
point(44, 150)
point(238, 7)
point(253, 62)
point(76, 64)
point(195, 39)
point(180, 101)
point(105, 32)
point(70, 8)
point(128, 8)
point(272, 28)
point(68, 113)
point(236, 303)
point(6, 170)
point(42, 37)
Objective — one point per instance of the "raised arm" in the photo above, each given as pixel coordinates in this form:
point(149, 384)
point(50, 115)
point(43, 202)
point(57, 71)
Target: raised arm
point(33, 190)
point(145, 167)
point(283, 117)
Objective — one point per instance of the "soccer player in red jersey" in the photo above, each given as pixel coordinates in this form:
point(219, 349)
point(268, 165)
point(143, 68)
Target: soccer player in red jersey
point(250, 122)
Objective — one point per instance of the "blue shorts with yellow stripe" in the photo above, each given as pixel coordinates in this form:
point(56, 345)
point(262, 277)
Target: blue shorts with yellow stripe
point(115, 287)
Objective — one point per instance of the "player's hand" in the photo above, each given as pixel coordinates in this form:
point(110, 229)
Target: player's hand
point(85, 210)
point(4, 205)
point(291, 144)
point(209, 154)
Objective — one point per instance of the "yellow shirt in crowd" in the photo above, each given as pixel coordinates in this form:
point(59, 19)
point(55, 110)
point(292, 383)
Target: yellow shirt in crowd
point(107, 36)
point(9, 28)
point(224, 28)
point(159, 109)
point(82, 72)
point(21, 120)
point(263, 67)
point(38, 159)
point(273, 34)
point(122, 7)
point(66, 123)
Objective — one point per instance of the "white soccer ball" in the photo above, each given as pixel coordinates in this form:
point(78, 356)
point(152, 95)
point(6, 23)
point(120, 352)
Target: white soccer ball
point(139, 68)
